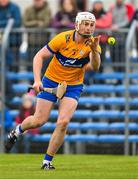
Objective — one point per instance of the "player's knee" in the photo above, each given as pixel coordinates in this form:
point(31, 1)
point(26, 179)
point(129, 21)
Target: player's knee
point(64, 117)
point(63, 124)
point(63, 121)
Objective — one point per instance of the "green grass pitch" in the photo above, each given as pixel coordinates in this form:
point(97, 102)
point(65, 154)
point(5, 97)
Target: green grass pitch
point(27, 166)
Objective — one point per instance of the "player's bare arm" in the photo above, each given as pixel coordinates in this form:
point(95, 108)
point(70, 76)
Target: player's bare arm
point(43, 54)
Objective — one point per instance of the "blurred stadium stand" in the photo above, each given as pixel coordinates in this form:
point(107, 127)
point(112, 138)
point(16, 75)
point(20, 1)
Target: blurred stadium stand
point(98, 125)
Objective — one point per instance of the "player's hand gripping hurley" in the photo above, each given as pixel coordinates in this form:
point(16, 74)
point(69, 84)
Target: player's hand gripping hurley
point(59, 91)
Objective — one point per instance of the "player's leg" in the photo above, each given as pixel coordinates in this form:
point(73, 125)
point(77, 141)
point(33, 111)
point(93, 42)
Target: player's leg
point(43, 108)
point(66, 109)
point(41, 115)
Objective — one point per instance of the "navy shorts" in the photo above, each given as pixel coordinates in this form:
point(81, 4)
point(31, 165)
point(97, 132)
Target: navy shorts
point(73, 91)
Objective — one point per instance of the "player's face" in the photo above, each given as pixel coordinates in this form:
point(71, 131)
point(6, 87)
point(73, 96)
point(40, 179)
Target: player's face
point(87, 27)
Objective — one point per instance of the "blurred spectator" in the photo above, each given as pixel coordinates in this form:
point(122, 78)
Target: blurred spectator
point(135, 17)
point(81, 4)
point(103, 18)
point(103, 21)
point(37, 15)
point(122, 13)
point(27, 109)
point(65, 18)
point(8, 118)
point(9, 10)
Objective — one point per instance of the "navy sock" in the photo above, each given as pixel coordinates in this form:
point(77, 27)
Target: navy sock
point(20, 129)
point(48, 157)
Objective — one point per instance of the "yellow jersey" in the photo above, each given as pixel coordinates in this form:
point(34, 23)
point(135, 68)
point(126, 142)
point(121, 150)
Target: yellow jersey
point(69, 58)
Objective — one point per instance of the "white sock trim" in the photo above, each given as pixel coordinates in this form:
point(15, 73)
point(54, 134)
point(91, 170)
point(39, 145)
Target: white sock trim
point(17, 130)
point(46, 162)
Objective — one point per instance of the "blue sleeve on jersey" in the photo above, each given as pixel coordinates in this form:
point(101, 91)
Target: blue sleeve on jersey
point(47, 46)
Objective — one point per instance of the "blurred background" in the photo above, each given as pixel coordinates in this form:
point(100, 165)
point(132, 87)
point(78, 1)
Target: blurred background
point(106, 118)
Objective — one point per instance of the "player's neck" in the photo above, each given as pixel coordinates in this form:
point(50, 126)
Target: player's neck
point(79, 38)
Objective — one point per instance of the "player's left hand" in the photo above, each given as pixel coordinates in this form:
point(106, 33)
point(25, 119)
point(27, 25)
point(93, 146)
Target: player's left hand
point(94, 43)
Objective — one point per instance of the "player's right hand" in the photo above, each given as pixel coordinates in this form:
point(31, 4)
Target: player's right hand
point(93, 43)
point(37, 86)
